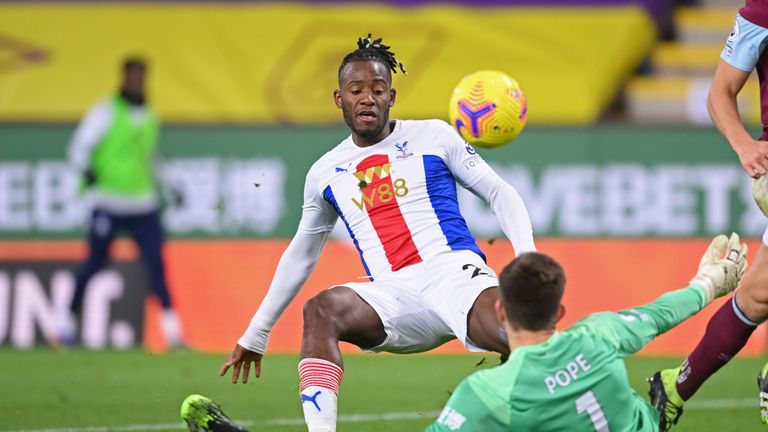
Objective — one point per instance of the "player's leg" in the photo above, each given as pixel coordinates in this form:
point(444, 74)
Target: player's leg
point(147, 231)
point(101, 232)
point(483, 326)
point(462, 290)
point(726, 334)
point(338, 314)
point(729, 328)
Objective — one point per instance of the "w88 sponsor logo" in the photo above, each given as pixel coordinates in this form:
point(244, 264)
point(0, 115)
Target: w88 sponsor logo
point(382, 193)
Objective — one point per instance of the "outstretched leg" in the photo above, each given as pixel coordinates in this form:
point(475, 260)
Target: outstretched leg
point(101, 232)
point(147, 231)
point(729, 328)
point(727, 332)
point(338, 314)
point(483, 326)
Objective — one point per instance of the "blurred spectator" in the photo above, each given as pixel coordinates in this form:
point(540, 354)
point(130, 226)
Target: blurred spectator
point(114, 149)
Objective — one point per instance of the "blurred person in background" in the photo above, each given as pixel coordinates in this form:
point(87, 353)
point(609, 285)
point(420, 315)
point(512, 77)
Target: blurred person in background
point(731, 326)
point(114, 147)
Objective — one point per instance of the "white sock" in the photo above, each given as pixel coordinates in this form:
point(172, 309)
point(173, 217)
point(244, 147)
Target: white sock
point(319, 382)
point(171, 328)
point(319, 405)
point(66, 325)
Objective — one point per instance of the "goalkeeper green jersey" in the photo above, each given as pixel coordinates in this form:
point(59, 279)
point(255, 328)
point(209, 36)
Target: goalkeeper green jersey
point(575, 381)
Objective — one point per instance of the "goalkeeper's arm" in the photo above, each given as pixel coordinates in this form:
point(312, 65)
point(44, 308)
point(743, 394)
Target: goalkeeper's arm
point(720, 271)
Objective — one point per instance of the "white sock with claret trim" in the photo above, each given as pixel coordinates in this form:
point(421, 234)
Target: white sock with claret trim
point(319, 382)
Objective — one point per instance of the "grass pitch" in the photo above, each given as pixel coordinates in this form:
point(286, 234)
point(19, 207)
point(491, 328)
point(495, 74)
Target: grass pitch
point(81, 391)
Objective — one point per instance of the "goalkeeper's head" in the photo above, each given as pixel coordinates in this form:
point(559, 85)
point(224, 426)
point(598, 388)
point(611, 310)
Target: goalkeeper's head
point(532, 288)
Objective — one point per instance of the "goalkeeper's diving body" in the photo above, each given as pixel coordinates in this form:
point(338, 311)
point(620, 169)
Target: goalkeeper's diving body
point(573, 380)
point(576, 380)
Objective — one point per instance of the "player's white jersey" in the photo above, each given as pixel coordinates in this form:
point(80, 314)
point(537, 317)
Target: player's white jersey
point(398, 197)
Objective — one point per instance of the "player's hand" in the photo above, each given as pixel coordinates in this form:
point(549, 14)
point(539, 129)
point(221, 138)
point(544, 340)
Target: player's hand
point(241, 358)
point(722, 266)
point(754, 158)
point(89, 177)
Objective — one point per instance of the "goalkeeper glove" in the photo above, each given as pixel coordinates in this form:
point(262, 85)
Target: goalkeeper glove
point(722, 266)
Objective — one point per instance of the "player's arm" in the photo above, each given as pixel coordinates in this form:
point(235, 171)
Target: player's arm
point(740, 55)
point(293, 269)
point(88, 134)
point(720, 271)
point(509, 209)
point(478, 177)
point(466, 411)
point(723, 108)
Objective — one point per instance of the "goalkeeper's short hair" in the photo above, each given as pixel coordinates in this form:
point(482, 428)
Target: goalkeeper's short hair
point(532, 287)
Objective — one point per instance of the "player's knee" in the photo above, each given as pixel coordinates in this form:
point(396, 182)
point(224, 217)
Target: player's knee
point(323, 309)
point(754, 303)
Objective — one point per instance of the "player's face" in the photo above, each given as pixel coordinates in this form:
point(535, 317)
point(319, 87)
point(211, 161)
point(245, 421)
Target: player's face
point(365, 96)
point(134, 79)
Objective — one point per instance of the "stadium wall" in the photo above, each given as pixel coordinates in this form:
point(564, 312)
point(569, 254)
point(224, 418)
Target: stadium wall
point(627, 211)
point(276, 63)
point(217, 285)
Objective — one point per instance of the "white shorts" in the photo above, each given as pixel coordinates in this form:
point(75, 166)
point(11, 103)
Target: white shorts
point(424, 305)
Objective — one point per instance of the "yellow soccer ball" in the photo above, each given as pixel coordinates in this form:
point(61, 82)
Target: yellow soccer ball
point(488, 108)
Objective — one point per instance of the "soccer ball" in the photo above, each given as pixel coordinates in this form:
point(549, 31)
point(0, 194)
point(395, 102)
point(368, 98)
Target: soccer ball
point(488, 108)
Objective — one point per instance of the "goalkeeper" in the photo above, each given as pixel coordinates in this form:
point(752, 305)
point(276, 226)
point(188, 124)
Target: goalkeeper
point(575, 380)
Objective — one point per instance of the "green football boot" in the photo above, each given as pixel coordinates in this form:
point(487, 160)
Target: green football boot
point(762, 385)
point(203, 415)
point(664, 397)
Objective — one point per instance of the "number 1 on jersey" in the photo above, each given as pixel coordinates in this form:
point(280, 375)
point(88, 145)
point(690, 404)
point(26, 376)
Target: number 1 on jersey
point(587, 403)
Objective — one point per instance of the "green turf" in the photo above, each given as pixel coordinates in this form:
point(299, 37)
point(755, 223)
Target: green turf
point(42, 389)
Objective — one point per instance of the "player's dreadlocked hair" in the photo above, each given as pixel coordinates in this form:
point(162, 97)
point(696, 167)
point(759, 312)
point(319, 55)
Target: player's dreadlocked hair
point(369, 49)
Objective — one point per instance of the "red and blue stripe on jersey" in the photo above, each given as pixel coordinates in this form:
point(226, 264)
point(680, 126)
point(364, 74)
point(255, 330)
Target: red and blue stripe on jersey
point(387, 212)
point(441, 189)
